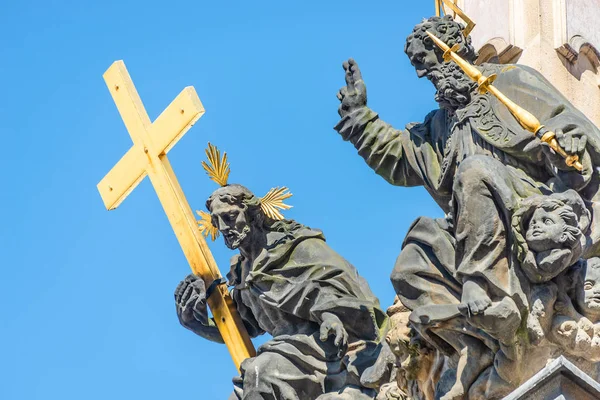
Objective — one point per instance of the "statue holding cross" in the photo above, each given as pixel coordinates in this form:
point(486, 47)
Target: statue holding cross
point(327, 325)
point(486, 295)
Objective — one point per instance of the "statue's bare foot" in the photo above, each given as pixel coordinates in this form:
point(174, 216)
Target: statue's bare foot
point(457, 392)
point(474, 299)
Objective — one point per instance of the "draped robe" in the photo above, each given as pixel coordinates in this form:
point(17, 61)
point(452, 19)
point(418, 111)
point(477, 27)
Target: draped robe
point(289, 286)
point(477, 163)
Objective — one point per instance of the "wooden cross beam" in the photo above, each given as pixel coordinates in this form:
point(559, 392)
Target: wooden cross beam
point(148, 156)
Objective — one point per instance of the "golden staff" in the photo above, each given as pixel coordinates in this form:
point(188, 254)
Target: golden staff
point(524, 117)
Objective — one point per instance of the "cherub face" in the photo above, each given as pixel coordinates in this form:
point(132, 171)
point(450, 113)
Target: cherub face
point(546, 230)
point(231, 221)
point(588, 297)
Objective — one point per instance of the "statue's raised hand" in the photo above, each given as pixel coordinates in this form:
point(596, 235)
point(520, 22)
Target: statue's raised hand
point(190, 301)
point(354, 95)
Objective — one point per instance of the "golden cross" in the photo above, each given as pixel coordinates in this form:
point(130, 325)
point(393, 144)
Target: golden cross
point(148, 156)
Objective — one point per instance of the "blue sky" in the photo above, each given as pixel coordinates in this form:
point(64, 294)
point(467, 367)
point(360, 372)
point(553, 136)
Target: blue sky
point(86, 295)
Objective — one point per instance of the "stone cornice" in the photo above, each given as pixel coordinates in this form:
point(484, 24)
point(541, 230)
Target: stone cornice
point(577, 46)
point(556, 381)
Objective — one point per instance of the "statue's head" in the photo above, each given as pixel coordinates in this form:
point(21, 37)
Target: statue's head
point(586, 285)
point(425, 56)
point(548, 233)
point(236, 213)
point(553, 225)
point(453, 86)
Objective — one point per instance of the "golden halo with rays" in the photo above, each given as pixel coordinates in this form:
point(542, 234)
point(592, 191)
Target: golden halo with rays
point(217, 167)
point(206, 227)
point(218, 170)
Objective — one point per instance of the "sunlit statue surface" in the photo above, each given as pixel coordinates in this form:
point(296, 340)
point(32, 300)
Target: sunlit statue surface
point(286, 281)
point(480, 286)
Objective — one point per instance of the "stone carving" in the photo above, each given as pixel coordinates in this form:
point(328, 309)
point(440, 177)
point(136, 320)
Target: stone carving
point(576, 325)
point(491, 289)
point(417, 365)
point(548, 234)
point(327, 325)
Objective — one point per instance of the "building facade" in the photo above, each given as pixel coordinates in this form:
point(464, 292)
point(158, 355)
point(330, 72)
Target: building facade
point(559, 38)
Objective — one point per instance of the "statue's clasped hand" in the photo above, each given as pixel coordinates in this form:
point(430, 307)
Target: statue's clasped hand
point(572, 138)
point(332, 326)
point(190, 301)
point(571, 141)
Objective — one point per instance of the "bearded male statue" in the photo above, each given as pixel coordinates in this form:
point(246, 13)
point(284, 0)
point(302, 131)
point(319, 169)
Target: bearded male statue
point(459, 275)
point(286, 281)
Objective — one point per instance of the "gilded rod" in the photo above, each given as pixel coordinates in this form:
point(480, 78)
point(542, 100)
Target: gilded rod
point(527, 120)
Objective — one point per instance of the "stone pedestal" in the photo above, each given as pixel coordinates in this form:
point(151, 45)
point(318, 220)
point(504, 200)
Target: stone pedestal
point(560, 380)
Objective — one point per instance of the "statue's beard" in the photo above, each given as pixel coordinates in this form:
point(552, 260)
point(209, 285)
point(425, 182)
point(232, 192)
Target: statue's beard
point(234, 239)
point(454, 88)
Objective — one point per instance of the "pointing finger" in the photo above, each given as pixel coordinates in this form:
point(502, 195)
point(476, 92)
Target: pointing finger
point(324, 333)
point(346, 67)
point(344, 341)
point(339, 336)
point(349, 81)
point(355, 70)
